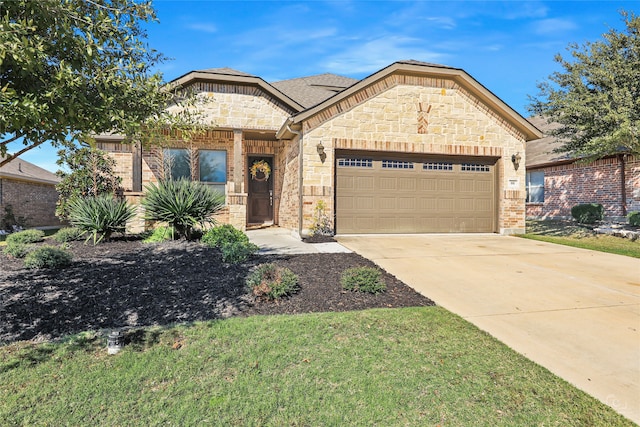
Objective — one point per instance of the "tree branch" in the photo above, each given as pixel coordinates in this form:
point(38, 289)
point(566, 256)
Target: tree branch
point(5, 143)
point(13, 156)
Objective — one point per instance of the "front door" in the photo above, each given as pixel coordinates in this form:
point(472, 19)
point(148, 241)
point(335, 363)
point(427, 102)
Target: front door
point(260, 197)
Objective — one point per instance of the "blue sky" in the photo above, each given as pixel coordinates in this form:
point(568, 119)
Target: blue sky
point(508, 46)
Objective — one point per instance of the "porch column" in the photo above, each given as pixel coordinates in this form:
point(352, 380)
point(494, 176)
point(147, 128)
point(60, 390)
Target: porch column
point(237, 161)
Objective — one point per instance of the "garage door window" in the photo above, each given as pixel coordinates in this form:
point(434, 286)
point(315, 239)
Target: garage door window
point(437, 166)
point(396, 164)
point(355, 163)
point(475, 167)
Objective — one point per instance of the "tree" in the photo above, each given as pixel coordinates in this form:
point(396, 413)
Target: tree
point(72, 68)
point(596, 100)
point(90, 175)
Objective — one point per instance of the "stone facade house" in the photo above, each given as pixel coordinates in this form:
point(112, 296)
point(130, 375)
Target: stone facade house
point(557, 182)
point(412, 148)
point(29, 191)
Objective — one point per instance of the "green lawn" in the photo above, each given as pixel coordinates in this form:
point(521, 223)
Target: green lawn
point(580, 237)
point(384, 367)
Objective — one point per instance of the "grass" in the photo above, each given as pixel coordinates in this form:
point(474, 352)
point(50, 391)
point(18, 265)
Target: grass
point(385, 367)
point(580, 237)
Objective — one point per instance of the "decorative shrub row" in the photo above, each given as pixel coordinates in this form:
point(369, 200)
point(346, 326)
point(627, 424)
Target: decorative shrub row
point(47, 257)
point(363, 279)
point(68, 234)
point(634, 218)
point(233, 243)
point(588, 213)
point(25, 237)
point(100, 216)
point(272, 281)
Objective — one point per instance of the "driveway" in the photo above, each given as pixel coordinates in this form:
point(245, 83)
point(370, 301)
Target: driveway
point(575, 312)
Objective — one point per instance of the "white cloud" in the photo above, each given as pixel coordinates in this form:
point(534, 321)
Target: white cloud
point(376, 54)
point(202, 27)
point(553, 26)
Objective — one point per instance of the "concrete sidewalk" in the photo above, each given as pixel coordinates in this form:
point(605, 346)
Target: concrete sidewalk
point(575, 312)
point(275, 240)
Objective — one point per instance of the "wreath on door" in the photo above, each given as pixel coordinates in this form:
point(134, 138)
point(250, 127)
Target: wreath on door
point(260, 167)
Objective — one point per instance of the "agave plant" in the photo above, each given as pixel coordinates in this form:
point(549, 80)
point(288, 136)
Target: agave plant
point(183, 204)
point(100, 216)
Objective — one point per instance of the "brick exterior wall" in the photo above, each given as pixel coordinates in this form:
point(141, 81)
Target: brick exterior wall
point(35, 202)
point(567, 185)
point(414, 115)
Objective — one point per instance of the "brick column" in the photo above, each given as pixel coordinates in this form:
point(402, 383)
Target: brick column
point(238, 160)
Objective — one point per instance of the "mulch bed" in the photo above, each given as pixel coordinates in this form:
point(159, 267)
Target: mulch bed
point(127, 283)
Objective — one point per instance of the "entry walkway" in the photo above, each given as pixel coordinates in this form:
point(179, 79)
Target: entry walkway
point(575, 312)
point(275, 240)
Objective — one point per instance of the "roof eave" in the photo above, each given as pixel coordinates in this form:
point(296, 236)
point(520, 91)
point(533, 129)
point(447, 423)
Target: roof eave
point(7, 175)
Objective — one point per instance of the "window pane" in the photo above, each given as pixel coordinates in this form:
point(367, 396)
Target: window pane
point(217, 187)
point(213, 166)
point(176, 163)
point(535, 187)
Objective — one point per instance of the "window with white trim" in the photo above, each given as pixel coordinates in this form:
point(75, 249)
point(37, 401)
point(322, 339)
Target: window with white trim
point(437, 166)
point(535, 187)
point(475, 167)
point(396, 164)
point(355, 163)
point(210, 166)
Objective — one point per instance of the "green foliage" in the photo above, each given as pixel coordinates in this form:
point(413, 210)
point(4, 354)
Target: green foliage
point(100, 216)
point(68, 234)
point(47, 257)
point(237, 252)
point(321, 221)
point(588, 213)
point(634, 218)
point(16, 249)
point(363, 279)
point(595, 100)
point(272, 281)
point(26, 236)
point(183, 204)
point(90, 174)
point(226, 233)
point(10, 222)
point(160, 234)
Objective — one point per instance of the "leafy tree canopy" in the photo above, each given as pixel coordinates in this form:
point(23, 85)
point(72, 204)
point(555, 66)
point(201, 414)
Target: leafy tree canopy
point(71, 68)
point(596, 99)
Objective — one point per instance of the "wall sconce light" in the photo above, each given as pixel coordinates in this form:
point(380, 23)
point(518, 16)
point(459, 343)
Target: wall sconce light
point(321, 152)
point(515, 159)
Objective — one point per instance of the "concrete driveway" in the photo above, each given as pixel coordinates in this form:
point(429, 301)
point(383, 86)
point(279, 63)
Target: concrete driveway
point(575, 312)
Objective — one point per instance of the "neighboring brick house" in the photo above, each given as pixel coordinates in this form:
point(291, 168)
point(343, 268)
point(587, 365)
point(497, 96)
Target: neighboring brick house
point(30, 192)
point(413, 148)
point(557, 182)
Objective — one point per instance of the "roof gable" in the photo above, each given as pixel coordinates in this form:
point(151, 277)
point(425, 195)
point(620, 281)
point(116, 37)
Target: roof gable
point(311, 90)
point(406, 71)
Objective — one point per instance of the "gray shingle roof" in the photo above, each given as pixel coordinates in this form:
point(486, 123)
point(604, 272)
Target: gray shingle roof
point(312, 90)
point(21, 169)
point(540, 151)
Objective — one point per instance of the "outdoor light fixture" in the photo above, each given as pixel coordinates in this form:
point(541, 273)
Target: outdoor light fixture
point(515, 159)
point(321, 152)
point(114, 342)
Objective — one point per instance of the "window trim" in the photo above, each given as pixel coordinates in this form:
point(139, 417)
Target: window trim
point(529, 187)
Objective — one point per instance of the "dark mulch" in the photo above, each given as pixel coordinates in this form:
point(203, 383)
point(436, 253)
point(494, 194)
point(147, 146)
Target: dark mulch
point(131, 284)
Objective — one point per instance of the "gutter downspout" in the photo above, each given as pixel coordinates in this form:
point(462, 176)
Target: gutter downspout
point(300, 166)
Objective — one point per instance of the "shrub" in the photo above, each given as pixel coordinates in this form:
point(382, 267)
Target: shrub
point(183, 204)
point(363, 279)
point(159, 234)
point(68, 234)
point(236, 252)
point(588, 213)
point(225, 233)
point(26, 236)
point(17, 250)
point(101, 215)
point(47, 257)
point(273, 282)
point(634, 218)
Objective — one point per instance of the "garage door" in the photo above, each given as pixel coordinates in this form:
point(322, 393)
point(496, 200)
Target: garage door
point(392, 194)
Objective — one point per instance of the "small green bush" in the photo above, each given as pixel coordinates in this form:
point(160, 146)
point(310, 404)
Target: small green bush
point(272, 282)
point(588, 213)
point(26, 236)
point(634, 218)
point(363, 279)
point(225, 233)
point(47, 257)
point(237, 252)
point(68, 234)
point(100, 216)
point(183, 204)
point(160, 234)
point(17, 250)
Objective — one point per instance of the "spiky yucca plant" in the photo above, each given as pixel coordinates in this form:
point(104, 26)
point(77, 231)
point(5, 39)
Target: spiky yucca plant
point(183, 204)
point(100, 216)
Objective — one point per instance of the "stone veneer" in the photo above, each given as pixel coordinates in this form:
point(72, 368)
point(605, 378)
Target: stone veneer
point(395, 119)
